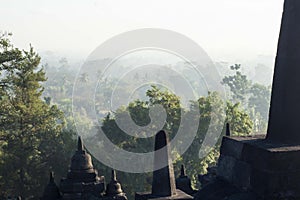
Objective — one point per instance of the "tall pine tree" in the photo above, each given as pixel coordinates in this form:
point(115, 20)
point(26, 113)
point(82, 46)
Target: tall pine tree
point(32, 136)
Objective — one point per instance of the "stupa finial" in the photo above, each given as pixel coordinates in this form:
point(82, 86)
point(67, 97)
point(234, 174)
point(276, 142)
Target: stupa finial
point(80, 146)
point(228, 129)
point(51, 177)
point(113, 175)
point(182, 171)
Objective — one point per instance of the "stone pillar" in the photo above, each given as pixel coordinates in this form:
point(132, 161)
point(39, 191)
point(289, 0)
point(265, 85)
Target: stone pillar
point(163, 184)
point(284, 113)
point(163, 179)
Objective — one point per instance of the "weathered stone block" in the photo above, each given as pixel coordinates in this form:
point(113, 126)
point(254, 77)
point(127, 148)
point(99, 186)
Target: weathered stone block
point(226, 167)
point(231, 147)
point(262, 167)
point(241, 175)
point(267, 183)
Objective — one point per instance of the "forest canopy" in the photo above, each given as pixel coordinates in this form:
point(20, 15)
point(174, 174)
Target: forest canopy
point(37, 130)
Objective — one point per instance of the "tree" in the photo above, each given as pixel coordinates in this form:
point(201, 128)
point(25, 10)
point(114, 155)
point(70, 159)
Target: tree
point(139, 112)
point(84, 78)
point(31, 130)
point(254, 97)
point(238, 118)
point(238, 84)
point(260, 99)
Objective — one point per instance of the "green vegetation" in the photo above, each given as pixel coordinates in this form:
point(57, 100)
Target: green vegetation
point(32, 134)
point(37, 126)
point(240, 124)
point(254, 97)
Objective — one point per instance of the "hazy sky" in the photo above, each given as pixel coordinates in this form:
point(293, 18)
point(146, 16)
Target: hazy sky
point(227, 29)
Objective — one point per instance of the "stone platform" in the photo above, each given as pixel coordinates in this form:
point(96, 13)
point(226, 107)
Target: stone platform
point(267, 169)
point(180, 195)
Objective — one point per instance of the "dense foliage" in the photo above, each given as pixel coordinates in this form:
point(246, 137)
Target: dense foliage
point(32, 134)
point(36, 122)
point(139, 110)
point(254, 97)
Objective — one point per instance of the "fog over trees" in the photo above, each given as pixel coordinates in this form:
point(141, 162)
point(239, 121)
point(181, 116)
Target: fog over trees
point(37, 129)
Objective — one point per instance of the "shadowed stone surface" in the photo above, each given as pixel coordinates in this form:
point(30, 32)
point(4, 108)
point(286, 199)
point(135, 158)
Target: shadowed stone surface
point(51, 191)
point(163, 179)
point(163, 184)
point(183, 182)
point(228, 129)
point(218, 190)
point(255, 164)
point(284, 123)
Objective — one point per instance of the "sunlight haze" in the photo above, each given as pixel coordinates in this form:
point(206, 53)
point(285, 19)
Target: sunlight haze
point(229, 30)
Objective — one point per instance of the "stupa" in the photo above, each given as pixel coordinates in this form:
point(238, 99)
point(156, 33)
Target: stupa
point(51, 191)
point(183, 182)
point(82, 179)
point(114, 188)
